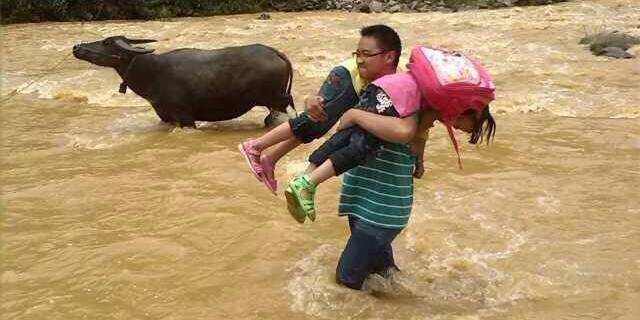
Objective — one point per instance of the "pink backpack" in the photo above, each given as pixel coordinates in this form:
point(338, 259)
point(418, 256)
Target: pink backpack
point(451, 83)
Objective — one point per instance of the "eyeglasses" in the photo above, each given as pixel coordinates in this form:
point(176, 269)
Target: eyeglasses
point(366, 54)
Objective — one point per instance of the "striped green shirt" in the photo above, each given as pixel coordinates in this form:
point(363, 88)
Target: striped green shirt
point(380, 191)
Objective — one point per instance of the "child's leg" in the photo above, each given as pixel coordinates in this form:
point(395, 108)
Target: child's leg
point(270, 157)
point(322, 173)
point(262, 166)
point(276, 135)
point(362, 145)
point(337, 141)
point(339, 96)
point(359, 146)
point(321, 167)
point(281, 149)
point(301, 190)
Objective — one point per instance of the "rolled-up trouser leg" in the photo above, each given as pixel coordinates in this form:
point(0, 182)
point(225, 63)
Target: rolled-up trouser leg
point(362, 146)
point(339, 96)
point(337, 141)
point(364, 253)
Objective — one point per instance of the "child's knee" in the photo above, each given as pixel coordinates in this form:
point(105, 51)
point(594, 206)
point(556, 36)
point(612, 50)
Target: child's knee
point(307, 130)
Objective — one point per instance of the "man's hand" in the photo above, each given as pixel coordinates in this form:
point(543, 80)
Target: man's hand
point(347, 120)
point(314, 106)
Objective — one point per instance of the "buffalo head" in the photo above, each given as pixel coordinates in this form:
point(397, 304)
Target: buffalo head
point(110, 52)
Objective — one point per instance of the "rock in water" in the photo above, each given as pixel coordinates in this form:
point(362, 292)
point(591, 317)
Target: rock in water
point(614, 52)
point(610, 43)
point(264, 16)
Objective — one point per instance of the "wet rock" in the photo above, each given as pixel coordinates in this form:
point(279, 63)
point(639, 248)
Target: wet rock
point(396, 8)
point(483, 4)
point(610, 43)
point(376, 6)
point(264, 16)
point(363, 7)
point(508, 3)
point(424, 8)
point(614, 52)
point(611, 39)
point(369, 6)
point(444, 9)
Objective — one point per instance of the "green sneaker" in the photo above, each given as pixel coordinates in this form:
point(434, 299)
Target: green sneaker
point(300, 202)
point(293, 207)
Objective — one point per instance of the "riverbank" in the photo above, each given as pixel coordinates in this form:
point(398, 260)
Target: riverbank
point(16, 11)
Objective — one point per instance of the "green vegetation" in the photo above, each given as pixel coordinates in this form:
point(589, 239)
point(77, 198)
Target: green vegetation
point(69, 10)
point(65, 10)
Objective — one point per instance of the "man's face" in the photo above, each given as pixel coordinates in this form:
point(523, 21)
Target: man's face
point(373, 61)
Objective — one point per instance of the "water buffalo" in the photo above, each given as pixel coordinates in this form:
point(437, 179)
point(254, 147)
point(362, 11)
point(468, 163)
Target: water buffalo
point(188, 85)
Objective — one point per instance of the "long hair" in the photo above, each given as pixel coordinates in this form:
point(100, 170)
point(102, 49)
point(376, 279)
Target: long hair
point(484, 126)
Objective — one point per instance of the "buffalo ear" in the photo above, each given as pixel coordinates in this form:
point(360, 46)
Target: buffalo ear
point(125, 46)
point(140, 41)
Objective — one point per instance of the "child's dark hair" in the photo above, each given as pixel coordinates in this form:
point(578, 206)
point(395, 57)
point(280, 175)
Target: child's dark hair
point(386, 37)
point(483, 125)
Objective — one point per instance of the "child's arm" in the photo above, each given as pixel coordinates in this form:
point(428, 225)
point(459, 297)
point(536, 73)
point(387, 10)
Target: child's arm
point(417, 148)
point(391, 129)
point(427, 117)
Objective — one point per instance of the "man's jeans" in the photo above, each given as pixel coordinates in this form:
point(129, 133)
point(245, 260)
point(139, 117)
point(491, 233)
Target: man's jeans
point(367, 251)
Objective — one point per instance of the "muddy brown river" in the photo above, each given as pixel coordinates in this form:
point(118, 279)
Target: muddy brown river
point(109, 214)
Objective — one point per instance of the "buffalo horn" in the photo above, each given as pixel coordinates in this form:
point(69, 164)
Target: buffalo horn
point(125, 46)
point(140, 41)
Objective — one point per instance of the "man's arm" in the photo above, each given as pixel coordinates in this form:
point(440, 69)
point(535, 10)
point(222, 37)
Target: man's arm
point(391, 129)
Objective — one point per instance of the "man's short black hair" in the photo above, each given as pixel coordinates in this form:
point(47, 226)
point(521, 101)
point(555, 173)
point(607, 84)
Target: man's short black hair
point(386, 37)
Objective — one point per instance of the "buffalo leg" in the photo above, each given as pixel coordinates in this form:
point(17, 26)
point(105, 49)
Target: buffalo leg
point(183, 116)
point(273, 118)
point(164, 116)
point(186, 120)
point(191, 124)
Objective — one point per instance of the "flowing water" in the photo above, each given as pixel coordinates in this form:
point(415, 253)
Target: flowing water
point(108, 214)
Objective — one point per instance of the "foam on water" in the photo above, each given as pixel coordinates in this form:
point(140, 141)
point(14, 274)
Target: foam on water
point(313, 290)
point(128, 128)
point(458, 282)
point(440, 273)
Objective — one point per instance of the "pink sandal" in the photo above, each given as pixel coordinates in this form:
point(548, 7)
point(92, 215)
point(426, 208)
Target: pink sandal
point(252, 156)
point(267, 176)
